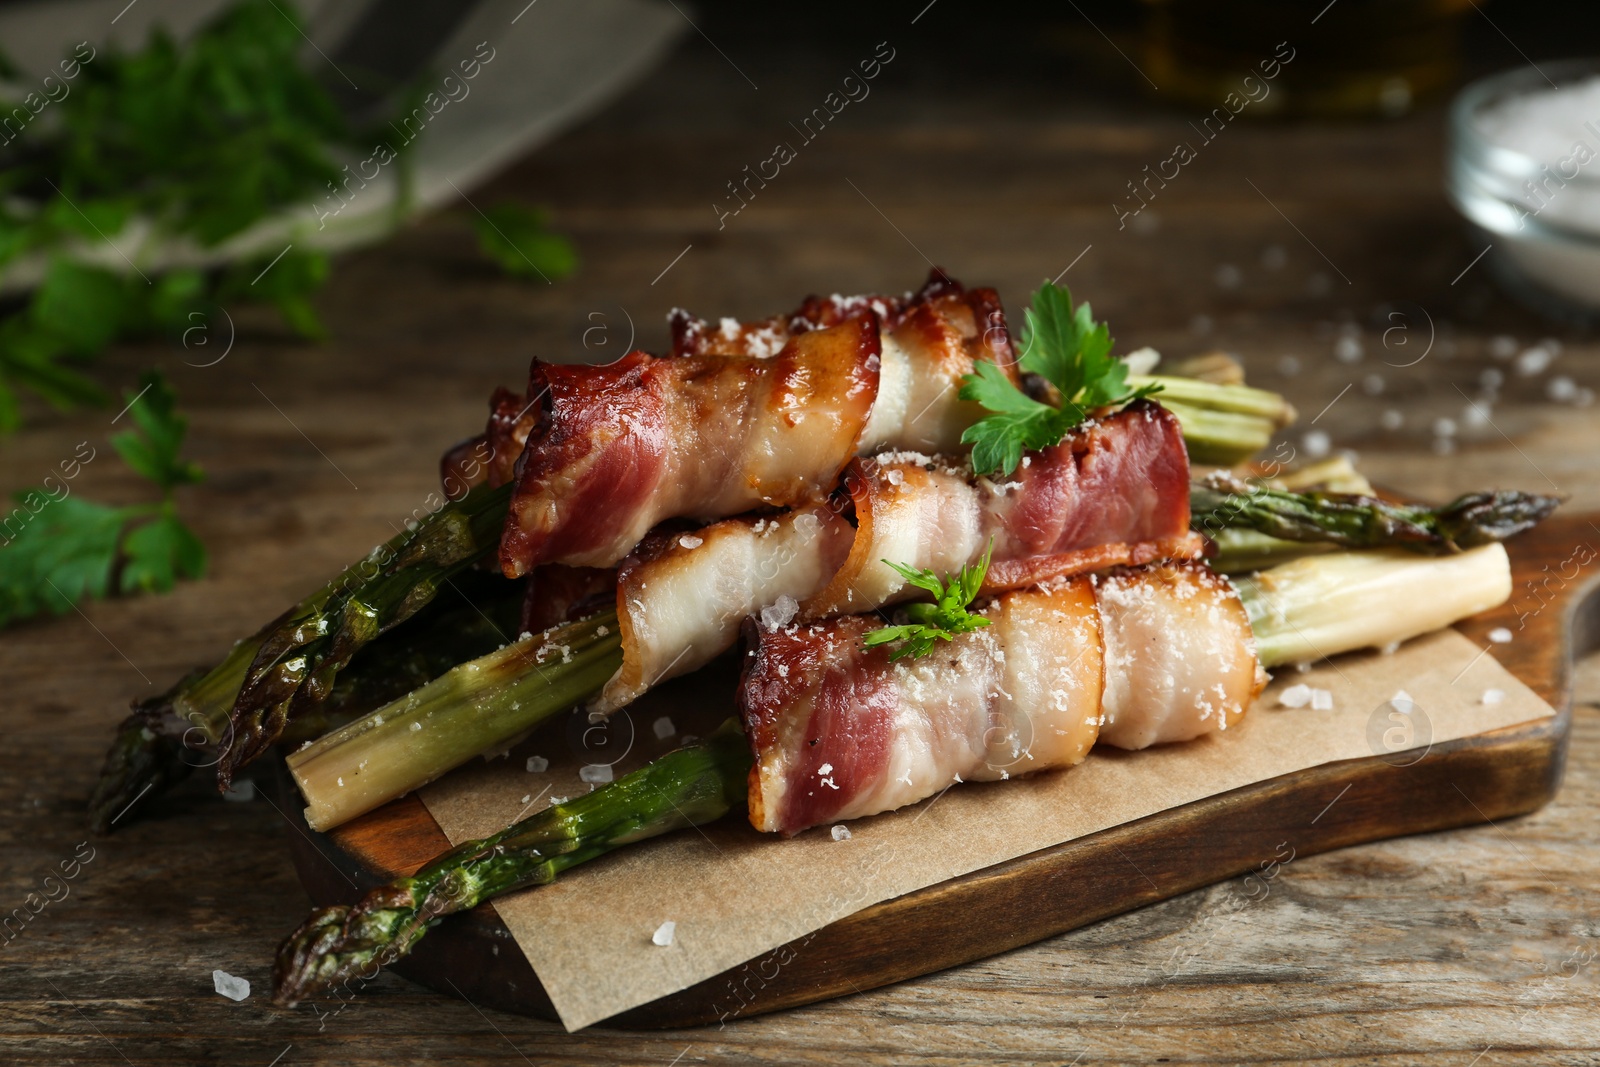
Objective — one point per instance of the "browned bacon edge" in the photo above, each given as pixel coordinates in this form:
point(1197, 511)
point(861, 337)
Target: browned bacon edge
point(695, 336)
point(490, 457)
point(646, 439)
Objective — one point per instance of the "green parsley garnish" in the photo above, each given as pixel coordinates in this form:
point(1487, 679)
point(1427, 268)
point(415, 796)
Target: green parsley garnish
point(939, 621)
point(56, 550)
point(203, 139)
point(515, 237)
point(1068, 349)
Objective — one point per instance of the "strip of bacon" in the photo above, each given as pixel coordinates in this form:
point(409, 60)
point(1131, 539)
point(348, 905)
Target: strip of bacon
point(620, 448)
point(491, 456)
point(717, 429)
point(839, 732)
point(1113, 493)
point(1122, 481)
point(681, 600)
point(930, 340)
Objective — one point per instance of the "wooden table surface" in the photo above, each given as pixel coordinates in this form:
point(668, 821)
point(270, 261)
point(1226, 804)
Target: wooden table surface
point(1290, 245)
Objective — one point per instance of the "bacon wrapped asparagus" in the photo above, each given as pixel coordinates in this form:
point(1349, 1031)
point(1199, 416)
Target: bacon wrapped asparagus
point(1114, 492)
point(1082, 663)
point(1159, 654)
point(715, 430)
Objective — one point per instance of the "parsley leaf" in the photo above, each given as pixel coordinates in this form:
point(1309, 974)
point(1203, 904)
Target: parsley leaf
point(57, 549)
point(152, 448)
point(514, 236)
point(946, 617)
point(1068, 349)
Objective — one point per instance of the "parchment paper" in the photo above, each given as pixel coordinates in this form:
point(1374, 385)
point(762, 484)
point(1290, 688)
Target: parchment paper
point(736, 894)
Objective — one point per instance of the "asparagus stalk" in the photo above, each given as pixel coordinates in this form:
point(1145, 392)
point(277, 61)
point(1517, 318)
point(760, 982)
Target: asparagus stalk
point(168, 736)
point(1357, 521)
point(1316, 607)
point(696, 784)
point(1303, 610)
point(301, 654)
point(1222, 424)
point(474, 708)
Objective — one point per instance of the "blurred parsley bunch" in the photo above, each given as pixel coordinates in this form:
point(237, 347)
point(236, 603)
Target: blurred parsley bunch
point(201, 140)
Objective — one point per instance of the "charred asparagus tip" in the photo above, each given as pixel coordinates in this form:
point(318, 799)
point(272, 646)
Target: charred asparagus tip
point(695, 784)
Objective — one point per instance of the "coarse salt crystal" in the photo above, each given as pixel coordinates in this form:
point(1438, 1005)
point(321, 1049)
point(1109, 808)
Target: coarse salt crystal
point(826, 768)
point(780, 613)
point(895, 477)
point(527, 798)
point(840, 833)
point(595, 772)
point(229, 986)
point(1296, 696)
point(663, 728)
point(538, 764)
point(663, 934)
point(416, 726)
point(691, 541)
point(1321, 700)
point(1493, 696)
point(1500, 635)
point(1402, 702)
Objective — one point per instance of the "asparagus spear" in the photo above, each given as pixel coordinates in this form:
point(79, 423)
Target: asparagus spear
point(474, 708)
point(301, 654)
point(696, 784)
point(1303, 610)
point(1359, 521)
point(167, 737)
point(1222, 424)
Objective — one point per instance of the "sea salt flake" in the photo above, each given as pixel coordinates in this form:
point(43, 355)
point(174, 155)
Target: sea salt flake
point(595, 772)
point(691, 541)
point(1296, 696)
point(663, 728)
point(416, 726)
point(780, 613)
point(1321, 700)
point(229, 986)
point(1500, 635)
point(840, 833)
point(663, 934)
point(1493, 696)
point(826, 768)
point(1402, 702)
point(538, 764)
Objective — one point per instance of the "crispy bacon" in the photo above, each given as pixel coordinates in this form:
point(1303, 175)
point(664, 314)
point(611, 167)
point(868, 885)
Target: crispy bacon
point(1114, 493)
point(491, 456)
point(620, 448)
point(1118, 487)
point(839, 732)
point(680, 602)
point(930, 340)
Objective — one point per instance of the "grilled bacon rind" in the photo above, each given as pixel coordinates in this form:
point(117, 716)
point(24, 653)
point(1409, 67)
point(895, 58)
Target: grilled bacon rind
point(1162, 653)
point(617, 449)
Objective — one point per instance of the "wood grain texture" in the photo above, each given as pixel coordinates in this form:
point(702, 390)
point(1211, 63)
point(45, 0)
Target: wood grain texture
point(996, 150)
point(1478, 779)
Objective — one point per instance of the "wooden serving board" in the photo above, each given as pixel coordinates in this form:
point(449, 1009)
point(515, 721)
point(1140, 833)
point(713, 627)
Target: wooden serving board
point(1510, 772)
